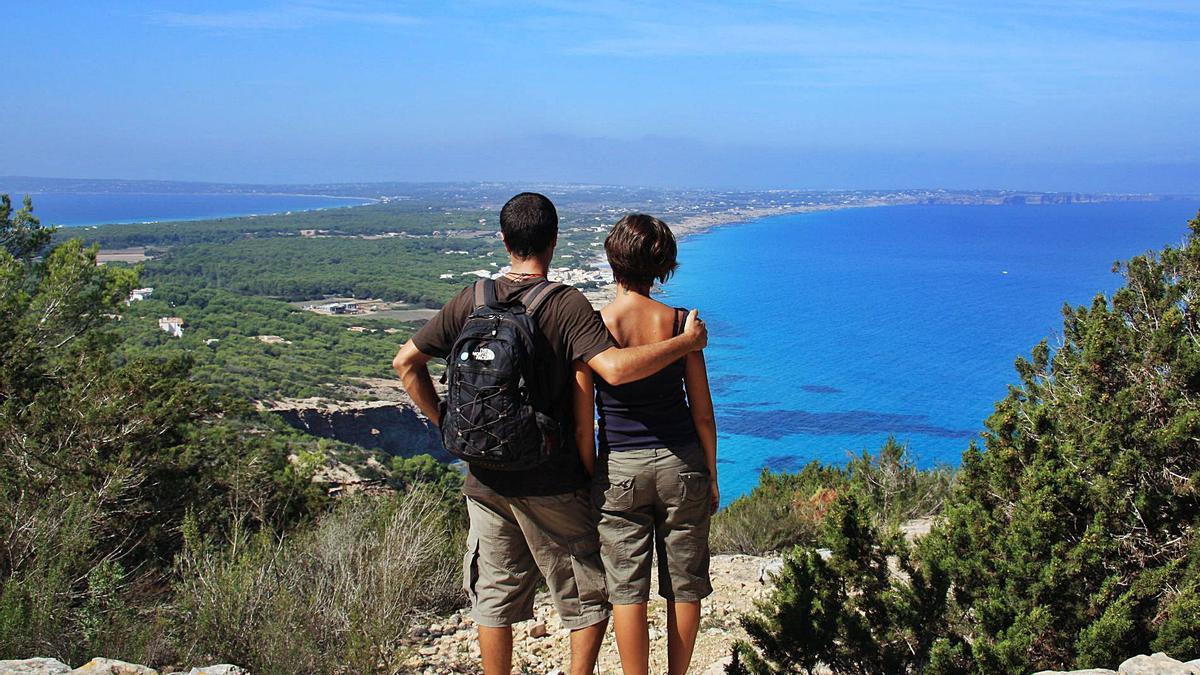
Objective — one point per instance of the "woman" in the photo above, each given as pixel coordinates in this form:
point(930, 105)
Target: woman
point(655, 479)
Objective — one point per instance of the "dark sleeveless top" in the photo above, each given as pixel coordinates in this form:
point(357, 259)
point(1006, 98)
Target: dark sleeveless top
point(649, 413)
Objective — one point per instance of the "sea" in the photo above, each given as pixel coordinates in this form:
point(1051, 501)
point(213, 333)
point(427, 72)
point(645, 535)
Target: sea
point(831, 331)
point(73, 209)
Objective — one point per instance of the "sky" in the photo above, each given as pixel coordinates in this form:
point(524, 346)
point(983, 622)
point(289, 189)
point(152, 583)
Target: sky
point(1082, 95)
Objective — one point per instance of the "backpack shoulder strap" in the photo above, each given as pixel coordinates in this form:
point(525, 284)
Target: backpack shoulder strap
point(485, 293)
point(538, 295)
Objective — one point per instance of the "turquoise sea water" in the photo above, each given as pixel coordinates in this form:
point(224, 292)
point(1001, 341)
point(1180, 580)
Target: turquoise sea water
point(831, 330)
point(74, 209)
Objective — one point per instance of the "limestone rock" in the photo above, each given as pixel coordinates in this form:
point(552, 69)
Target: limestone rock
point(219, 669)
point(915, 529)
point(768, 570)
point(1157, 664)
point(36, 666)
point(538, 630)
point(1089, 671)
point(99, 666)
point(718, 667)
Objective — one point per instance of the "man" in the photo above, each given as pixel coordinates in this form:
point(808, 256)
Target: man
point(528, 525)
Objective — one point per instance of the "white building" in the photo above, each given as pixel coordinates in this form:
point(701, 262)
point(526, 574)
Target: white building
point(171, 325)
point(139, 294)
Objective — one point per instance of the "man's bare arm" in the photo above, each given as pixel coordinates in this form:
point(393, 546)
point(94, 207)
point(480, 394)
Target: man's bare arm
point(629, 364)
point(584, 400)
point(412, 365)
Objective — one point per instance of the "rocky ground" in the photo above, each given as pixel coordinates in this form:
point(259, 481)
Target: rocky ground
point(543, 645)
point(43, 666)
point(1155, 664)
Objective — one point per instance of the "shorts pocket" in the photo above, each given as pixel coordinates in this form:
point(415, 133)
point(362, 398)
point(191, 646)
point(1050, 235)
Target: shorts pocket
point(471, 566)
point(694, 485)
point(588, 571)
point(618, 496)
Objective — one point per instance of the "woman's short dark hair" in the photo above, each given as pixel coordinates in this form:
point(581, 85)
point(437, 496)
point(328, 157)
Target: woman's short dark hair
point(529, 223)
point(640, 249)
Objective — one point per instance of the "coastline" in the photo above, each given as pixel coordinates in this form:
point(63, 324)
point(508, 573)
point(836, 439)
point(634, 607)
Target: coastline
point(697, 225)
point(356, 202)
point(691, 226)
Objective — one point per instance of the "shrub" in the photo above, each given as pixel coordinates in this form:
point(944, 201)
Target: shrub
point(846, 612)
point(101, 456)
point(336, 598)
point(768, 519)
point(786, 509)
point(893, 490)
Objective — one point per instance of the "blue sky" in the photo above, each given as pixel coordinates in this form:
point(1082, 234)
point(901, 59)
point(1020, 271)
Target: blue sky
point(1054, 95)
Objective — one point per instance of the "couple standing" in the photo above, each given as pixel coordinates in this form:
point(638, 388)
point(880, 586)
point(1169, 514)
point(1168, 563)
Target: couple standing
point(585, 522)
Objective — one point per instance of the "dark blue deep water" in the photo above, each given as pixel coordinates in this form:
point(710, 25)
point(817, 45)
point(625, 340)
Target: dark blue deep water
point(74, 209)
point(831, 331)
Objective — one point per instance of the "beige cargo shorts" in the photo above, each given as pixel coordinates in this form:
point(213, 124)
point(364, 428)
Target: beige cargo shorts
point(654, 500)
point(515, 542)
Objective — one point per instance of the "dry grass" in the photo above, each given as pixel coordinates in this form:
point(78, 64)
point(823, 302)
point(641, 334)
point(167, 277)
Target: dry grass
point(336, 599)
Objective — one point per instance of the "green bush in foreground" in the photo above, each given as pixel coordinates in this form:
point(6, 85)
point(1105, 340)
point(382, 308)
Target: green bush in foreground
point(1071, 542)
point(786, 509)
point(100, 457)
point(846, 612)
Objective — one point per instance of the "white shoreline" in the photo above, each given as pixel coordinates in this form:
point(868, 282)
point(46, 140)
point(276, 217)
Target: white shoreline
point(368, 201)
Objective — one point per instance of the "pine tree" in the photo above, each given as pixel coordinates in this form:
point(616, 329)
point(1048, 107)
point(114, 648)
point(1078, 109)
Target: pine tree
point(100, 457)
point(1073, 537)
point(1070, 540)
point(22, 234)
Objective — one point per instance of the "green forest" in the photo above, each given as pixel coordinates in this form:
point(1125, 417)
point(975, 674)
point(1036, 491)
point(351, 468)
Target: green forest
point(396, 216)
point(310, 268)
point(319, 357)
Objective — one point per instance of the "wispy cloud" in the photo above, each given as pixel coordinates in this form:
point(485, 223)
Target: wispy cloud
point(286, 16)
point(629, 28)
point(1023, 49)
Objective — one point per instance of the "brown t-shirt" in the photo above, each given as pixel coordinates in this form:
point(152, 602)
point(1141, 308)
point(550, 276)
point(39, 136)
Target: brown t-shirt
point(568, 330)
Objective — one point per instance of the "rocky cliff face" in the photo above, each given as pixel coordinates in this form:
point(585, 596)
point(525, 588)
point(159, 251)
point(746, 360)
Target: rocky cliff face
point(395, 427)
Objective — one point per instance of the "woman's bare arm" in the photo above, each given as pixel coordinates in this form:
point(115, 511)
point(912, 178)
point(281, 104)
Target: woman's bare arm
point(583, 400)
point(695, 381)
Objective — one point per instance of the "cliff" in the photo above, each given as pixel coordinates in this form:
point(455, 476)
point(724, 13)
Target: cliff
point(395, 426)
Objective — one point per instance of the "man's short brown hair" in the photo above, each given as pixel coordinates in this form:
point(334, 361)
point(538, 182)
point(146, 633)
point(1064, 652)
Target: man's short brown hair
point(640, 249)
point(529, 223)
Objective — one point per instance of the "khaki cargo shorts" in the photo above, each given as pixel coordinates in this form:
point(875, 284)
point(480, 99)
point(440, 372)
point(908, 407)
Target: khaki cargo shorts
point(654, 500)
point(515, 542)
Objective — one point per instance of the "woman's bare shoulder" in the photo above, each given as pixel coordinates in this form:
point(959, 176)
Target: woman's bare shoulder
point(647, 320)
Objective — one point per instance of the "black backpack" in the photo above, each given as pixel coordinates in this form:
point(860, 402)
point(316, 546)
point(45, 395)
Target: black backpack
point(494, 414)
